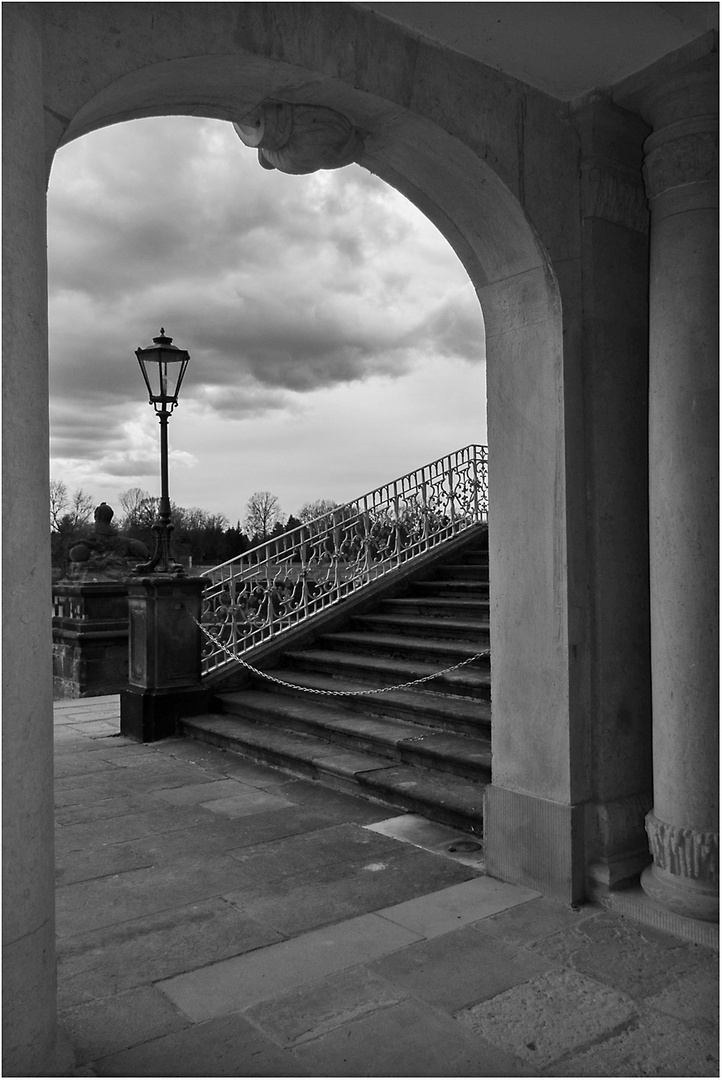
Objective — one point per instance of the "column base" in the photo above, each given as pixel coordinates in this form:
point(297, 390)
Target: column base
point(690, 897)
point(150, 715)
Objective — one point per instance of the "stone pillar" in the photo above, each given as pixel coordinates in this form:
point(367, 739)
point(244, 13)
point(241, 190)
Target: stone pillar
point(681, 179)
point(90, 638)
point(165, 657)
point(29, 1025)
point(615, 283)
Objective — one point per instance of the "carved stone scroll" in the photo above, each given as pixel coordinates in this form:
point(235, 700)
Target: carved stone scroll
point(300, 139)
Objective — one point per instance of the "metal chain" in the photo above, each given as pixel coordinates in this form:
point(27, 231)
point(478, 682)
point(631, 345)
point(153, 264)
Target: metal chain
point(331, 693)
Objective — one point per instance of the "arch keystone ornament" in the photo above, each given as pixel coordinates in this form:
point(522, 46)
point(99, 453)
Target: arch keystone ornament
point(300, 139)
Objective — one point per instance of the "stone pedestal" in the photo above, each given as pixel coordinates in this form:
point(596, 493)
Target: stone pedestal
point(681, 179)
point(165, 657)
point(90, 639)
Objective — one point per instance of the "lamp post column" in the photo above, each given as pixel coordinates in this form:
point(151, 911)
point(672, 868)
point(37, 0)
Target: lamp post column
point(164, 607)
point(165, 656)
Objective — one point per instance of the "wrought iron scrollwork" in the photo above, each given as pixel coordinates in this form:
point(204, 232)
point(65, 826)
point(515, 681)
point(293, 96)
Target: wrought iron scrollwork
point(292, 577)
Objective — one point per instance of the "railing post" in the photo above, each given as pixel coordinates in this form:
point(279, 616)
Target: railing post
point(475, 464)
point(452, 507)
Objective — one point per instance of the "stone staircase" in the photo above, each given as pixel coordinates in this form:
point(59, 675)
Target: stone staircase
point(424, 749)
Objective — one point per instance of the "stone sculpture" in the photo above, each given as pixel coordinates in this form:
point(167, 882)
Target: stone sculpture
point(105, 555)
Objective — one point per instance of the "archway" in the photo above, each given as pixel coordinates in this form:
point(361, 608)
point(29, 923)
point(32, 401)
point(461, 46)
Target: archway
point(57, 94)
point(487, 227)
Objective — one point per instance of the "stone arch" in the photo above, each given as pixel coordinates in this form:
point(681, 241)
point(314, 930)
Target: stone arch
point(512, 273)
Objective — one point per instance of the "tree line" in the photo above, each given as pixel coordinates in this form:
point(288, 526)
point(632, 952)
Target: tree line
point(203, 537)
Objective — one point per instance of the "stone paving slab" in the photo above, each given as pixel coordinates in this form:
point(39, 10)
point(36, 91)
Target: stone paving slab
point(226, 1047)
point(215, 833)
point(111, 1024)
point(693, 996)
point(347, 844)
point(75, 866)
point(204, 792)
point(349, 807)
point(333, 892)
point(245, 980)
point(458, 969)
point(99, 963)
point(544, 1019)
point(653, 1045)
point(118, 751)
point(165, 774)
point(85, 806)
point(535, 920)
point(408, 1039)
point(80, 764)
point(308, 1011)
point(439, 912)
point(89, 905)
point(73, 790)
point(127, 827)
point(638, 960)
point(98, 728)
point(433, 836)
point(253, 801)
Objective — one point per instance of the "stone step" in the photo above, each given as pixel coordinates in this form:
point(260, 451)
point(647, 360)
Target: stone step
point(440, 607)
point(441, 586)
point(329, 720)
point(470, 716)
point(441, 652)
point(477, 571)
point(425, 626)
point(452, 800)
point(381, 671)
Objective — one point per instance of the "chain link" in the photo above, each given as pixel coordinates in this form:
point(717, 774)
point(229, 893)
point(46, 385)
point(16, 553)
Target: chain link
point(331, 693)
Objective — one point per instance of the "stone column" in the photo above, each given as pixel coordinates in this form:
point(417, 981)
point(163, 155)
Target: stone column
point(29, 1025)
point(681, 179)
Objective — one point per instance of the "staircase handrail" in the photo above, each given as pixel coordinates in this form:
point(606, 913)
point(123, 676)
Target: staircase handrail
point(293, 576)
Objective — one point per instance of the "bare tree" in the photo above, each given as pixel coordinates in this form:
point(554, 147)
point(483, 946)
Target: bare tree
point(139, 510)
point(58, 503)
point(68, 512)
point(316, 508)
point(263, 511)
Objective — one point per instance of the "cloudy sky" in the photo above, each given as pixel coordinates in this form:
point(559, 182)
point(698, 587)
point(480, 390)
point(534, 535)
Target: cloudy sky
point(335, 339)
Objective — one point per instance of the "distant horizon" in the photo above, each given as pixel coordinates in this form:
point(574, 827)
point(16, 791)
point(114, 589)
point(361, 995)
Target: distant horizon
point(336, 340)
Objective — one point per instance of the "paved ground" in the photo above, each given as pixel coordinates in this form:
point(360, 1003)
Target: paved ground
point(218, 918)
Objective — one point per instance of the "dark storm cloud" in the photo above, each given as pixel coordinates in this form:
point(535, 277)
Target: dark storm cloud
point(276, 285)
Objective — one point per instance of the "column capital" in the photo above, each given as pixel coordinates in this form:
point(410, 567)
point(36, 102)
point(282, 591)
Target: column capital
point(682, 150)
point(680, 154)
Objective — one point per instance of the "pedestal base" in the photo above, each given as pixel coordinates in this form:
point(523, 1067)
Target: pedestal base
point(535, 842)
point(150, 715)
point(690, 897)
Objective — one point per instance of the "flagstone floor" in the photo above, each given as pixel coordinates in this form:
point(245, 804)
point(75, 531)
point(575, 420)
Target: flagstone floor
point(220, 918)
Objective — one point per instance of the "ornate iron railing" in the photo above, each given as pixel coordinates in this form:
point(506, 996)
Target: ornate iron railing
point(291, 577)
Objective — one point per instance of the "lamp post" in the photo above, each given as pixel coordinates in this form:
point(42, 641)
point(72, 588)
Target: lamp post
point(164, 606)
point(163, 366)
